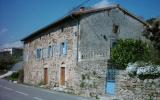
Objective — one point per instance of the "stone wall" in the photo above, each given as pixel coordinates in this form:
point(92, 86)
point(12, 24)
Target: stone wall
point(135, 89)
point(91, 78)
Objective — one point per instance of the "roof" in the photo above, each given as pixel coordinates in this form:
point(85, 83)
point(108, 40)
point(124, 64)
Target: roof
point(78, 13)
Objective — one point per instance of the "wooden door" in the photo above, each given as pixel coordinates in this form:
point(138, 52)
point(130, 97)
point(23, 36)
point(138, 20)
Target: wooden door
point(62, 80)
point(45, 75)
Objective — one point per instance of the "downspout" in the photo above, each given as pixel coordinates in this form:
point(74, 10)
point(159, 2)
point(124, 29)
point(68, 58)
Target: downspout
point(78, 37)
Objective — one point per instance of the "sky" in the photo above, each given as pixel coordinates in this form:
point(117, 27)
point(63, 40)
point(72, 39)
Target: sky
point(19, 18)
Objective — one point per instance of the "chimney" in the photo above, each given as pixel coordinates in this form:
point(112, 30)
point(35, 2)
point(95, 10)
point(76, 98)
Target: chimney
point(82, 9)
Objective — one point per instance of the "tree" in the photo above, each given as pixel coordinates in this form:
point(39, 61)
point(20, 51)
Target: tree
point(152, 32)
point(129, 51)
point(6, 61)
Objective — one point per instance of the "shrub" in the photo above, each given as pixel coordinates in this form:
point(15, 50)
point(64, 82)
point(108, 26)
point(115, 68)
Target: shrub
point(17, 76)
point(129, 50)
point(14, 76)
point(82, 84)
point(21, 76)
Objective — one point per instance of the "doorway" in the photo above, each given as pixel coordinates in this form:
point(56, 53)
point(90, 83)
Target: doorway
point(62, 77)
point(110, 81)
point(45, 76)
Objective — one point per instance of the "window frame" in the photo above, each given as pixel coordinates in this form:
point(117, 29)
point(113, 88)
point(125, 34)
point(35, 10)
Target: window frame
point(49, 51)
point(38, 53)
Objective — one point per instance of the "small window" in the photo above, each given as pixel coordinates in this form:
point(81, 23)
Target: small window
point(64, 48)
point(115, 28)
point(113, 43)
point(62, 29)
point(105, 38)
point(49, 51)
point(38, 54)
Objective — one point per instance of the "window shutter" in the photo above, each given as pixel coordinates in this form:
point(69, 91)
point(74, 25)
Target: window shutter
point(65, 48)
point(52, 50)
point(37, 54)
point(59, 49)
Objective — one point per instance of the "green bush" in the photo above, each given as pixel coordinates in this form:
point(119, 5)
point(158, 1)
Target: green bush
point(21, 76)
point(129, 51)
point(17, 76)
point(14, 76)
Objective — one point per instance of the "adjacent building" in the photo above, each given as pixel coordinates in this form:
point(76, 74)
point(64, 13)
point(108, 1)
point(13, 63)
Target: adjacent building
point(12, 51)
point(72, 53)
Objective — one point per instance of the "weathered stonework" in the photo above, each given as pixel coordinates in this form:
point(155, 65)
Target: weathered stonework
point(34, 69)
point(92, 78)
point(135, 89)
point(90, 38)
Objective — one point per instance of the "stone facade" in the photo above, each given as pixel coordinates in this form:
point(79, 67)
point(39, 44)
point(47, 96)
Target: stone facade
point(135, 89)
point(89, 38)
point(34, 69)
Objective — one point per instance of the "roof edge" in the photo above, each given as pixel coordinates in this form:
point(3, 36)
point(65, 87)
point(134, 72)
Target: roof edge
point(77, 13)
point(132, 15)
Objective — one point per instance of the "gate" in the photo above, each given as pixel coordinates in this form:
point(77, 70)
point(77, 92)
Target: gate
point(110, 80)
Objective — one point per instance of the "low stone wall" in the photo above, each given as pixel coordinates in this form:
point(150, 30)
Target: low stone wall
point(135, 89)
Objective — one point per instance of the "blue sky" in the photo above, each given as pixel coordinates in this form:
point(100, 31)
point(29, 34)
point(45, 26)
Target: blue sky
point(19, 18)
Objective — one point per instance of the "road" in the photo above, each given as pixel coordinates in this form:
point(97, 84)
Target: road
point(12, 91)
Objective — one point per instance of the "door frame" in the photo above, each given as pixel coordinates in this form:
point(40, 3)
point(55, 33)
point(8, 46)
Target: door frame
point(45, 76)
point(111, 80)
point(61, 77)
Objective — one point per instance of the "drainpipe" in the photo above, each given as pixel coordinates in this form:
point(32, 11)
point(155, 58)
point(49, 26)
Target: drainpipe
point(78, 37)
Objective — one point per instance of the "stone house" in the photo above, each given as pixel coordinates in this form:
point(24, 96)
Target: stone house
point(72, 53)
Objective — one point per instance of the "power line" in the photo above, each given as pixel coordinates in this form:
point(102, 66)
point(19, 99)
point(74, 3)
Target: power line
point(78, 6)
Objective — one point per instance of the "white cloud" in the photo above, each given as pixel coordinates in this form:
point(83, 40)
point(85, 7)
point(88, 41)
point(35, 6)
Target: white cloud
point(103, 3)
point(17, 44)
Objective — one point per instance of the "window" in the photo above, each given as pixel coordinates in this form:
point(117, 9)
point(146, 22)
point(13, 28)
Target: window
point(115, 28)
point(38, 54)
point(113, 42)
point(105, 38)
point(62, 29)
point(49, 51)
point(63, 49)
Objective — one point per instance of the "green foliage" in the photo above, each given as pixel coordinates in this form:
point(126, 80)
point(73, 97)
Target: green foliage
point(129, 51)
point(14, 76)
point(82, 84)
point(17, 76)
point(83, 77)
point(21, 76)
point(7, 60)
point(152, 32)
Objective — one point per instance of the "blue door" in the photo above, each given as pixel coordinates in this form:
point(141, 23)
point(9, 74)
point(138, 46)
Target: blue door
point(110, 81)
